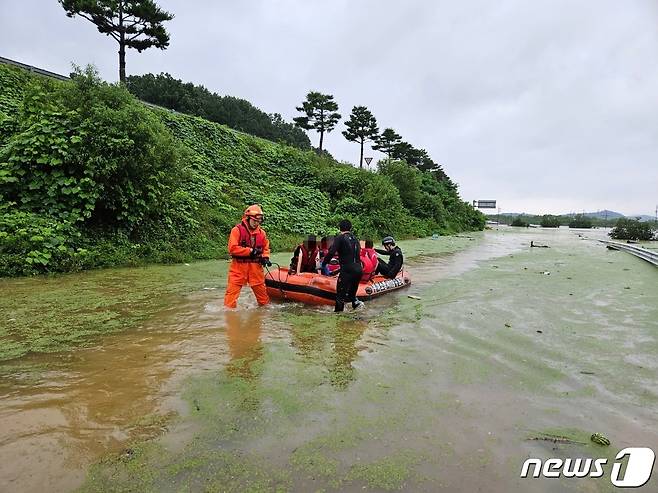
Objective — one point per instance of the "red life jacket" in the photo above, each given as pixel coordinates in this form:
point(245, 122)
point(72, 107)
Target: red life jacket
point(369, 262)
point(308, 258)
point(249, 239)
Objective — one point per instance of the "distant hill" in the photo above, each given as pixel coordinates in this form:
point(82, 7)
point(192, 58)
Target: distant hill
point(604, 214)
point(604, 218)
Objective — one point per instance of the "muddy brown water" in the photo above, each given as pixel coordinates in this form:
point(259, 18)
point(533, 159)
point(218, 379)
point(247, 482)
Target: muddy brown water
point(508, 345)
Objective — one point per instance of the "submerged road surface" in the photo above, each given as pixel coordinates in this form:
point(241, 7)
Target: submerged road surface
point(139, 380)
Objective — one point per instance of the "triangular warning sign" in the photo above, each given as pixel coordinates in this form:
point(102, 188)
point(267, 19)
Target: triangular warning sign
point(368, 160)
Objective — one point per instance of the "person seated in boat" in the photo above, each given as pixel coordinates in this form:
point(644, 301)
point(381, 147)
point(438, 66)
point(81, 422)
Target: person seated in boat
point(391, 268)
point(333, 267)
point(305, 256)
point(369, 261)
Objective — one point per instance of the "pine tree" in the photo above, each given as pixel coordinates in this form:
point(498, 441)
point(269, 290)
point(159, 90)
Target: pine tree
point(387, 141)
point(320, 114)
point(132, 23)
point(361, 127)
point(402, 150)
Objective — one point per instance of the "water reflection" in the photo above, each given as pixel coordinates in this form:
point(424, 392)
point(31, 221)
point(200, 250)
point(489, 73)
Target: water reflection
point(243, 332)
point(328, 340)
point(346, 349)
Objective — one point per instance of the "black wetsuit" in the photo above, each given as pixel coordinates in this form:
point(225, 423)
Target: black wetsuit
point(394, 264)
point(349, 257)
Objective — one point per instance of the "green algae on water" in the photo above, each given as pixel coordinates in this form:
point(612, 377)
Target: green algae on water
point(389, 473)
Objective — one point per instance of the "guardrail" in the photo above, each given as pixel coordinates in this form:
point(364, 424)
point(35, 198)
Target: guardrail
point(643, 253)
point(30, 68)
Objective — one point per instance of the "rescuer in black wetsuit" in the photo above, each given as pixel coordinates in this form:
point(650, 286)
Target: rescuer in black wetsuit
point(349, 256)
point(394, 264)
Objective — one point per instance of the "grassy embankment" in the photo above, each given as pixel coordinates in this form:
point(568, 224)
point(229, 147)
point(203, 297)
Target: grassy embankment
point(90, 177)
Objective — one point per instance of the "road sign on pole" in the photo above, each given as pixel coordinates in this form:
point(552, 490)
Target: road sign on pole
point(486, 204)
point(368, 160)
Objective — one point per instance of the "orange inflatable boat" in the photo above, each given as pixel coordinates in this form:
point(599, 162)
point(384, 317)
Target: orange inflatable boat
point(318, 289)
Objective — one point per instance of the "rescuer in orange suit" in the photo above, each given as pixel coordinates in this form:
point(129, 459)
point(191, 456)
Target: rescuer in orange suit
point(250, 249)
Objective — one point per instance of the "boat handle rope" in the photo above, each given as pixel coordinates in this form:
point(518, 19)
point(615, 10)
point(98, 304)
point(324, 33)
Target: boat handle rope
point(283, 293)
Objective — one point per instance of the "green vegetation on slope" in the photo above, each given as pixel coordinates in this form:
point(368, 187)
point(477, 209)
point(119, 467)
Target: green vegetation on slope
point(164, 90)
point(90, 177)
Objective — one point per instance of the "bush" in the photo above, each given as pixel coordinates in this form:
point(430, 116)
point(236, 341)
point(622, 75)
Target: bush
point(87, 151)
point(406, 179)
point(581, 221)
point(520, 221)
point(32, 243)
point(338, 181)
point(548, 221)
point(631, 229)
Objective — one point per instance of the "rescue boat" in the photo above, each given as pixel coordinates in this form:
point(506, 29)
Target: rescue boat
point(318, 289)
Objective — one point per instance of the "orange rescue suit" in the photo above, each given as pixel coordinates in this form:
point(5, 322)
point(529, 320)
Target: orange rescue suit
point(245, 269)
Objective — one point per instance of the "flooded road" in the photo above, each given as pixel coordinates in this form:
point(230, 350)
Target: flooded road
point(148, 380)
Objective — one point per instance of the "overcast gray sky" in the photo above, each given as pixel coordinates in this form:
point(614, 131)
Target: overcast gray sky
point(548, 106)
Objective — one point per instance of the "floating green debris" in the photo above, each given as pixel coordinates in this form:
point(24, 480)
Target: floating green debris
point(600, 439)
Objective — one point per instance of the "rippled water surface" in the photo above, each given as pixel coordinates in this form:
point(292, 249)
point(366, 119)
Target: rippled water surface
point(138, 379)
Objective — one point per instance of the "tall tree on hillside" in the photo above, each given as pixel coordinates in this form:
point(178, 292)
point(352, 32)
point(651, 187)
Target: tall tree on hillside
point(361, 127)
point(425, 162)
point(387, 141)
point(134, 24)
point(320, 114)
point(420, 159)
point(416, 157)
point(413, 156)
point(402, 150)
